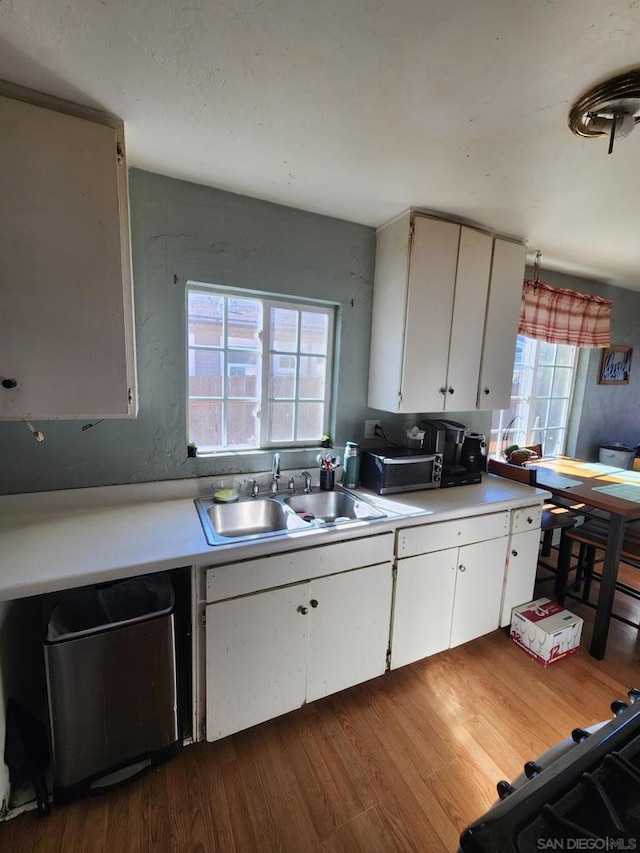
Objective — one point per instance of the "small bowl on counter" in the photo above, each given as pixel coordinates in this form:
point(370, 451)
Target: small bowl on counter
point(225, 490)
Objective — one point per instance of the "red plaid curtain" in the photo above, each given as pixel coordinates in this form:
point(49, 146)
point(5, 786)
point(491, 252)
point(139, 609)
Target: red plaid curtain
point(562, 316)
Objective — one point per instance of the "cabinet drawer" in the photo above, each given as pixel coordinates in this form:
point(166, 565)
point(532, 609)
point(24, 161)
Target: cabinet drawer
point(241, 578)
point(527, 518)
point(451, 534)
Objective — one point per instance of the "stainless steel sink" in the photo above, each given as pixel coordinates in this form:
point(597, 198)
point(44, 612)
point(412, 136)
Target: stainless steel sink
point(247, 518)
point(329, 506)
point(277, 515)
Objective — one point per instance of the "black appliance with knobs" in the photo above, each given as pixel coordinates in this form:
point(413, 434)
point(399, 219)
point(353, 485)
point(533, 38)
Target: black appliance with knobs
point(464, 453)
point(582, 794)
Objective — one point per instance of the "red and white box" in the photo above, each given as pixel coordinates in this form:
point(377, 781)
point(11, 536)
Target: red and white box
point(545, 630)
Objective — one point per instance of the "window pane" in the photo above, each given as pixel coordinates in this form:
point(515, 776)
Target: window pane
point(566, 356)
point(542, 384)
point(284, 329)
point(206, 318)
point(243, 429)
point(281, 421)
point(205, 423)
point(205, 373)
point(557, 413)
point(562, 381)
point(245, 321)
point(282, 376)
point(554, 442)
point(310, 419)
point(243, 371)
point(312, 378)
point(314, 332)
point(546, 352)
point(538, 414)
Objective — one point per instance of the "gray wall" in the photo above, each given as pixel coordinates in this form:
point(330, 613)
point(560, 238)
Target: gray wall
point(604, 414)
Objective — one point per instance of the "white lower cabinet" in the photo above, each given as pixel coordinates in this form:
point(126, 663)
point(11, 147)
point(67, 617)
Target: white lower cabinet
point(522, 560)
point(271, 651)
point(447, 597)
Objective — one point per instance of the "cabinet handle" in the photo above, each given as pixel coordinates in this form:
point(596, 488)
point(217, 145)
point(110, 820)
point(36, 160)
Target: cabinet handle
point(487, 391)
point(443, 391)
point(9, 383)
point(303, 610)
point(529, 520)
point(451, 390)
point(462, 568)
point(313, 602)
point(514, 553)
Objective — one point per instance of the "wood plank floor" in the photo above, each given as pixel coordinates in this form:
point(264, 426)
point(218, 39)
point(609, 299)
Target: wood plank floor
point(401, 763)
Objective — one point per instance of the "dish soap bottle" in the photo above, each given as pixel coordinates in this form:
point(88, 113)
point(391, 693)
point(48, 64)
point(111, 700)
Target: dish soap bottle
point(351, 471)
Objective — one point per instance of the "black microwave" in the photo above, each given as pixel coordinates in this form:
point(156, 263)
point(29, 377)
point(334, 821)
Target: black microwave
point(387, 470)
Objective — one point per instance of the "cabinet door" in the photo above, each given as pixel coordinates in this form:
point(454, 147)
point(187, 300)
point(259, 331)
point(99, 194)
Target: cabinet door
point(423, 606)
point(478, 596)
point(350, 615)
point(66, 331)
point(256, 658)
point(522, 561)
point(501, 325)
point(467, 327)
point(432, 275)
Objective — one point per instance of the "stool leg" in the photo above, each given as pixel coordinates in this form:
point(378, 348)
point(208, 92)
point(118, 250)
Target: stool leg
point(588, 571)
point(547, 538)
point(563, 567)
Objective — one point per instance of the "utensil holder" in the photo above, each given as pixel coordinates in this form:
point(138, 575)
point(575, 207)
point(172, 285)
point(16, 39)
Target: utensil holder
point(327, 480)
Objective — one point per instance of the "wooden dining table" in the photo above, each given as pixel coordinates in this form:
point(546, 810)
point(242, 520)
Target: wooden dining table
point(613, 490)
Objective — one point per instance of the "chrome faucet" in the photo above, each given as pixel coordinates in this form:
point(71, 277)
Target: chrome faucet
point(275, 473)
point(307, 481)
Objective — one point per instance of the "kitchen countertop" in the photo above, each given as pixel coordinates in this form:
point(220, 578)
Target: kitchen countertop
point(58, 540)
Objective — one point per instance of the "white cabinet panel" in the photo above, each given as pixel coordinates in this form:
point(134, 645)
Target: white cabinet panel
point(66, 325)
point(522, 560)
point(349, 629)
point(256, 659)
point(480, 576)
point(423, 606)
point(501, 325)
point(233, 579)
point(451, 534)
point(467, 329)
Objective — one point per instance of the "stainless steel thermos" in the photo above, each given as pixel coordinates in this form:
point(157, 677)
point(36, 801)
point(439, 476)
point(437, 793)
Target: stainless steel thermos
point(351, 471)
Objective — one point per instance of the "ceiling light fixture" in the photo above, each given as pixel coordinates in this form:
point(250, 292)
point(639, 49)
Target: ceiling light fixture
point(609, 109)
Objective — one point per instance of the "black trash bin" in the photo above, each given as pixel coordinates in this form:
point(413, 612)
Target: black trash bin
point(111, 678)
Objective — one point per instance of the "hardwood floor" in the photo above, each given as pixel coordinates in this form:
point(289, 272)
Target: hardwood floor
point(401, 763)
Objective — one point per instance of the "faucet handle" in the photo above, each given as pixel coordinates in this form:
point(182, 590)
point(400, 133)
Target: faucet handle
point(307, 481)
point(291, 485)
point(254, 487)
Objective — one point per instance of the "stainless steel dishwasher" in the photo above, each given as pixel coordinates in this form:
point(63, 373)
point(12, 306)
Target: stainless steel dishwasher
point(110, 657)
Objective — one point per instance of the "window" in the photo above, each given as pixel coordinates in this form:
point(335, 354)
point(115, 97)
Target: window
point(543, 379)
point(259, 370)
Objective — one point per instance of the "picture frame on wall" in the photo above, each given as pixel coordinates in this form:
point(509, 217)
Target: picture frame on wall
point(615, 367)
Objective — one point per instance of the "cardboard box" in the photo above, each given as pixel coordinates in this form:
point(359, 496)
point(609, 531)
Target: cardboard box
point(545, 630)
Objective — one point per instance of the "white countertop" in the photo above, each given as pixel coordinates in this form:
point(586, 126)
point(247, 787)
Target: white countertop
point(58, 540)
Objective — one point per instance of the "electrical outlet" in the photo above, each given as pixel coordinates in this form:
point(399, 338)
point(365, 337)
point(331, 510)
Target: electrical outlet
point(370, 430)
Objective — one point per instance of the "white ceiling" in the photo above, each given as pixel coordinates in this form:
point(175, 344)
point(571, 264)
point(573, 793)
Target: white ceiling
point(361, 108)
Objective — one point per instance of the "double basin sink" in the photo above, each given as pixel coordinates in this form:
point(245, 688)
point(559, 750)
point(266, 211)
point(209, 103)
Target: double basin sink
point(277, 515)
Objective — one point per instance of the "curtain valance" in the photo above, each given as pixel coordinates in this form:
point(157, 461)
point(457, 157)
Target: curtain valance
point(563, 316)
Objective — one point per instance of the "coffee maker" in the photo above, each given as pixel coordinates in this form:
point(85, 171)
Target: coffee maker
point(460, 466)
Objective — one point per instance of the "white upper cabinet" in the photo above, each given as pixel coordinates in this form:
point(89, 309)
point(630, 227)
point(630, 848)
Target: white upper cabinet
point(445, 310)
point(66, 324)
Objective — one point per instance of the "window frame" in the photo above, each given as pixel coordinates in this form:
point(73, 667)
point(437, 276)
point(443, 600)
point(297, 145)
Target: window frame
point(265, 352)
point(528, 434)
